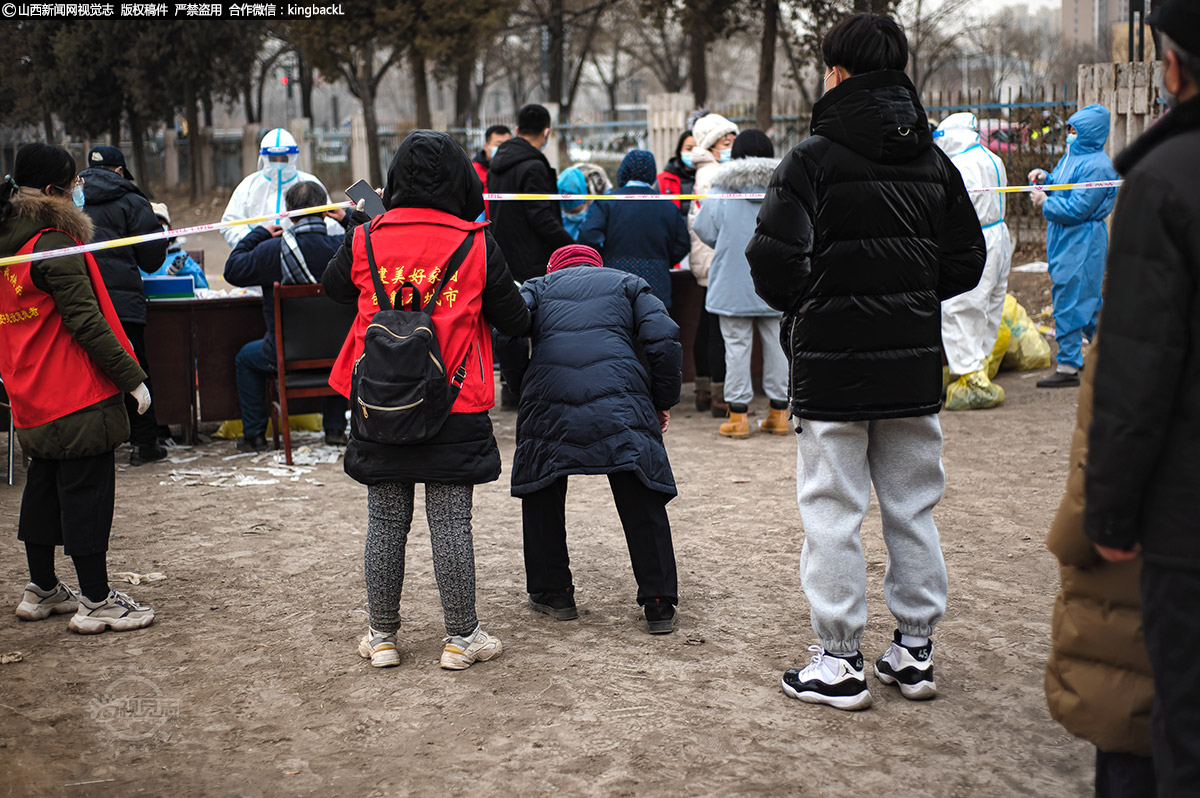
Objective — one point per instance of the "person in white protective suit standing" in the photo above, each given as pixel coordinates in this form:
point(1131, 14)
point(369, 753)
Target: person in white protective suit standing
point(971, 321)
point(263, 191)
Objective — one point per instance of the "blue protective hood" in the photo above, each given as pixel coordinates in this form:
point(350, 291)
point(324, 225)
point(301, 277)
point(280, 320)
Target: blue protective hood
point(572, 181)
point(1092, 123)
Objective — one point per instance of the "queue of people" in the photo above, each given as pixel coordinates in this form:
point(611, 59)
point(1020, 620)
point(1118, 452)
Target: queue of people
point(595, 364)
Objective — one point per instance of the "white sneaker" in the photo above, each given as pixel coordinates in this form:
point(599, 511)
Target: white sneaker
point(118, 612)
point(37, 604)
point(910, 669)
point(836, 681)
point(380, 648)
point(462, 652)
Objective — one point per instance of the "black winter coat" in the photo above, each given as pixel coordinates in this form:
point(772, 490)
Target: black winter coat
point(587, 400)
point(256, 261)
point(118, 209)
point(430, 170)
point(865, 229)
point(528, 232)
point(1142, 469)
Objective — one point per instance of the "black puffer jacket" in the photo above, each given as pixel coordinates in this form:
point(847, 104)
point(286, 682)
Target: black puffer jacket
point(1142, 469)
point(118, 209)
point(528, 232)
point(430, 170)
point(865, 229)
point(587, 401)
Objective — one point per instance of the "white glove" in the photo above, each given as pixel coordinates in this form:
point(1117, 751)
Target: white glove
point(1039, 198)
point(142, 395)
point(1038, 176)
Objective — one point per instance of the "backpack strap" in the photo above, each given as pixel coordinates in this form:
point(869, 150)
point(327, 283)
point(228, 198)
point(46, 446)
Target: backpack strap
point(452, 265)
point(381, 294)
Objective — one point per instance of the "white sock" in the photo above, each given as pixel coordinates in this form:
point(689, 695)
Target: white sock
point(912, 641)
point(1067, 369)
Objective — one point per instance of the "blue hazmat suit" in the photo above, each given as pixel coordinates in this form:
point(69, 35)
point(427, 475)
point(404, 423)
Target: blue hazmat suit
point(1076, 235)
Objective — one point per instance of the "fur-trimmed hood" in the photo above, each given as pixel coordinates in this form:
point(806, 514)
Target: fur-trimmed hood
point(745, 174)
point(37, 209)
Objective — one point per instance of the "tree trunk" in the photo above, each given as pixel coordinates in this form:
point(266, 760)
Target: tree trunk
point(464, 83)
point(367, 87)
point(764, 108)
point(248, 100)
point(698, 58)
point(136, 131)
point(416, 62)
point(48, 125)
point(193, 138)
point(114, 128)
point(306, 88)
point(207, 102)
point(555, 53)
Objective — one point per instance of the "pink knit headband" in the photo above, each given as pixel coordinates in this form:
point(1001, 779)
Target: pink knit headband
point(573, 255)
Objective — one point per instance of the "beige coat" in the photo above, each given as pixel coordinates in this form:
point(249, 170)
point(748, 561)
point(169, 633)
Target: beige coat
point(701, 255)
point(1098, 683)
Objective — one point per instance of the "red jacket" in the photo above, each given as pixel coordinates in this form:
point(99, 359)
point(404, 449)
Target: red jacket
point(46, 372)
point(669, 184)
point(413, 245)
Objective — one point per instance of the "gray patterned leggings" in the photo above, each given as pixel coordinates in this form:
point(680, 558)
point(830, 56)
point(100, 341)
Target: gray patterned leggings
point(389, 518)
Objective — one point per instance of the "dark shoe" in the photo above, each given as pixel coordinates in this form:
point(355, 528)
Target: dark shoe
point(335, 439)
point(703, 400)
point(1059, 380)
point(660, 616)
point(140, 455)
point(558, 604)
point(719, 409)
point(258, 443)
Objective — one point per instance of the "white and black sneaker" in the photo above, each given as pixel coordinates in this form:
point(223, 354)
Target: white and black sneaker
point(909, 668)
point(836, 681)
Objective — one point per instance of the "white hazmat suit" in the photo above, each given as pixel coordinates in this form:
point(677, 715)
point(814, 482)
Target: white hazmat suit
point(971, 321)
point(263, 192)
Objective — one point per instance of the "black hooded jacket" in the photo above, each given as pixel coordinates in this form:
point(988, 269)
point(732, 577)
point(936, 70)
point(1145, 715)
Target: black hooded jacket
point(118, 209)
point(1142, 469)
point(865, 229)
point(528, 232)
point(430, 170)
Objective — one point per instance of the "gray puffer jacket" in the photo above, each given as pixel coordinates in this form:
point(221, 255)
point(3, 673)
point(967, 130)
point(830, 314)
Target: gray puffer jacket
point(727, 226)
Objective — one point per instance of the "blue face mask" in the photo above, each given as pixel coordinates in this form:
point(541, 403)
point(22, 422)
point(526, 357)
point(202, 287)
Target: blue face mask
point(1071, 137)
point(688, 159)
point(77, 196)
point(726, 155)
point(575, 218)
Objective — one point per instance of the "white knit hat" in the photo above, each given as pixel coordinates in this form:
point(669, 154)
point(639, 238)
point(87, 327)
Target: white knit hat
point(711, 128)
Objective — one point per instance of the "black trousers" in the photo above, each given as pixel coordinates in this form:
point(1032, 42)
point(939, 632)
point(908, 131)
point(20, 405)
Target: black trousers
point(643, 514)
point(69, 503)
point(143, 429)
point(1124, 775)
point(1171, 627)
point(708, 349)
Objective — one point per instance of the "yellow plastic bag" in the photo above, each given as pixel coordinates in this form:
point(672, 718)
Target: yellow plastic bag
point(306, 422)
point(1027, 349)
point(973, 392)
point(991, 363)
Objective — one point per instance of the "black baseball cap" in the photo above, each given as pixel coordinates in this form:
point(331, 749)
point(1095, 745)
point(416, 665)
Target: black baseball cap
point(1180, 20)
point(105, 155)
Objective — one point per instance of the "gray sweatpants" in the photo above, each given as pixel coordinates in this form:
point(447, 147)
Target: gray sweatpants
point(389, 518)
point(837, 463)
point(738, 334)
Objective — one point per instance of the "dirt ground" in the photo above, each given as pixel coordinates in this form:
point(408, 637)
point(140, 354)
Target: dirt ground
point(248, 683)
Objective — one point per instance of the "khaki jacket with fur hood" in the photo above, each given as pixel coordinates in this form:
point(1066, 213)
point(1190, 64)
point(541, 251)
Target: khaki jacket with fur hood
point(103, 426)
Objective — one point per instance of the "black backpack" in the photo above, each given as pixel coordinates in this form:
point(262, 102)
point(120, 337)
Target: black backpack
point(399, 393)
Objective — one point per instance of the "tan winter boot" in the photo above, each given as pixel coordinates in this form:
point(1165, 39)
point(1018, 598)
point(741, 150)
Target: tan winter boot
point(738, 426)
point(776, 422)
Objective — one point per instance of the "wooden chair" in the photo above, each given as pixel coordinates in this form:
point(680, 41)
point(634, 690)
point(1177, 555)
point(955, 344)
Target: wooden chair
point(310, 329)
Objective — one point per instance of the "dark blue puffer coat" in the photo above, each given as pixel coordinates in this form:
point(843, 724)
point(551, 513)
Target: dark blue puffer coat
point(588, 400)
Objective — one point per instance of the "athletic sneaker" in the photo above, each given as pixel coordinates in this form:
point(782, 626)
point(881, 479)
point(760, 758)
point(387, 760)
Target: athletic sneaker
point(660, 616)
point(37, 604)
point(911, 669)
point(461, 653)
point(118, 612)
point(380, 648)
point(836, 681)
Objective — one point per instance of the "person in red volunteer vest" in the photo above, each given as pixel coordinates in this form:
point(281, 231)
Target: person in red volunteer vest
point(66, 365)
point(433, 197)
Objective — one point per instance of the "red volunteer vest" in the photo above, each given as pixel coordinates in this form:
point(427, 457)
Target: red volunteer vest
point(413, 245)
point(46, 372)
